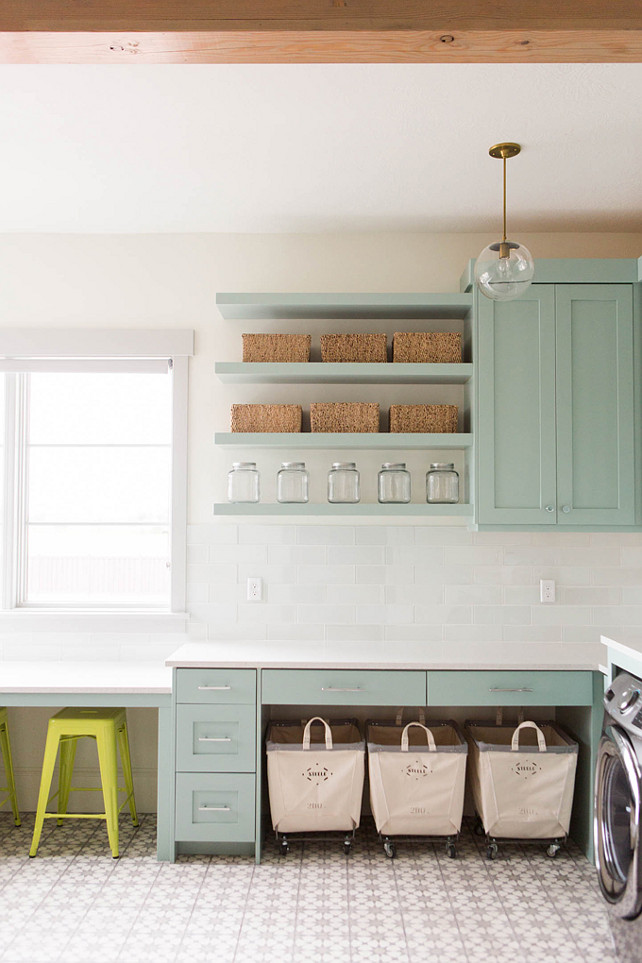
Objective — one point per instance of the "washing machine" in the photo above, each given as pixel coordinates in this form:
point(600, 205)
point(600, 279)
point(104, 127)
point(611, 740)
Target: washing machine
point(618, 833)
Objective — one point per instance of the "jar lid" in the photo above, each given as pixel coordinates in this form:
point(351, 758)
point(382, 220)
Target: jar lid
point(349, 465)
point(243, 464)
point(293, 464)
point(394, 465)
point(442, 466)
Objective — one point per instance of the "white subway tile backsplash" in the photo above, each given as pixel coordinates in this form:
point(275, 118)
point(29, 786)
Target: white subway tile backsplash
point(325, 574)
point(472, 633)
point(295, 632)
point(443, 614)
point(325, 535)
point(357, 594)
point(327, 614)
point(474, 594)
point(356, 555)
point(501, 614)
point(267, 535)
point(531, 633)
point(431, 594)
point(413, 633)
point(297, 554)
point(394, 583)
point(383, 614)
point(354, 633)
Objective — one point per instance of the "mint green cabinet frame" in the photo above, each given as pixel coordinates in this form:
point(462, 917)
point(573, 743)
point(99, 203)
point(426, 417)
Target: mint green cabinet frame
point(556, 424)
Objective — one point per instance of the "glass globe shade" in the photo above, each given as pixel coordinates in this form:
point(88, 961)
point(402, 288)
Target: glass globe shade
point(504, 278)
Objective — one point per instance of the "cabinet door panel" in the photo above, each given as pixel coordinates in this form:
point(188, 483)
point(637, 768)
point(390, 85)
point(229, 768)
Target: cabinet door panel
point(516, 409)
point(595, 430)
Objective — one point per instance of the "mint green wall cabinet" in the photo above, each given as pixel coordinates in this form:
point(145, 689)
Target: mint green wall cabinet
point(555, 414)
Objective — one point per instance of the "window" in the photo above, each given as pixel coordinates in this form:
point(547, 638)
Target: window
point(94, 480)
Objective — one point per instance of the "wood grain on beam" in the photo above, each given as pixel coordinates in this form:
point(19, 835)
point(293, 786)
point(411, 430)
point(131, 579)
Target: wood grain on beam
point(398, 46)
point(321, 31)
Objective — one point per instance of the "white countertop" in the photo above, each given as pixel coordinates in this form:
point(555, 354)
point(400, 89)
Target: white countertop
point(390, 655)
point(86, 677)
point(631, 645)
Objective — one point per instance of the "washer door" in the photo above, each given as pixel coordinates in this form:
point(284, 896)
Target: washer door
point(617, 823)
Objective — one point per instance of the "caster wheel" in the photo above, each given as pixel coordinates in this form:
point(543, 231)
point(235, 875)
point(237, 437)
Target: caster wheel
point(347, 848)
point(478, 828)
point(491, 851)
point(390, 849)
point(552, 850)
point(451, 850)
point(284, 848)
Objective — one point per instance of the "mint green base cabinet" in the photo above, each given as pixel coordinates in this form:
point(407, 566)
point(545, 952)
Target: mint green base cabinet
point(514, 688)
point(215, 807)
point(340, 687)
point(555, 423)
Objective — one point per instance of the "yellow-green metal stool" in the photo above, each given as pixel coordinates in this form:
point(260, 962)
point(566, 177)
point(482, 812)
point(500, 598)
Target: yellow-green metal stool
point(109, 728)
point(5, 746)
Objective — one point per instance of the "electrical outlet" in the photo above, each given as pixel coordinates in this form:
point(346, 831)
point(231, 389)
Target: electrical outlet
point(255, 590)
point(547, 590)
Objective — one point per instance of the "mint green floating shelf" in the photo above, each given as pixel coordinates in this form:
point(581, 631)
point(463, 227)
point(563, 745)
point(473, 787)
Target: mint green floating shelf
point(381, 441)
point(314, 372)
point(359, 510)
point(250, 307)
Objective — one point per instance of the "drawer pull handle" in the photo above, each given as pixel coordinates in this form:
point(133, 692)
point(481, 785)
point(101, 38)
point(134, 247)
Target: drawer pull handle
point(214, 809)
point(214, 688)
point(523, 688)
point(214, 739)
point(334, 688)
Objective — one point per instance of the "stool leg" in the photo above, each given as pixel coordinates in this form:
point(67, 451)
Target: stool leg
point(8, 769)
point(65, 772)
point(48, 764)
point(123, 743)
point(107, 759)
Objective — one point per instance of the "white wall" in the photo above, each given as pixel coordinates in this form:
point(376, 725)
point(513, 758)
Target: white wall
point(322, 582)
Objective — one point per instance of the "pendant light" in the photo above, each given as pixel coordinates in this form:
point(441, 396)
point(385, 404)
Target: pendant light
point(505, 268)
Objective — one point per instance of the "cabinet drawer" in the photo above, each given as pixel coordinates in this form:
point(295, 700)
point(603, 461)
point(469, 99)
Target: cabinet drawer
point(215, 738)
point(334, 687)
point(215, 807)
point(234, 686)
point(490, 688)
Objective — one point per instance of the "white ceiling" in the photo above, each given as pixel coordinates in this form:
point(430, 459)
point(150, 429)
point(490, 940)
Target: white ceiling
point(290, 148)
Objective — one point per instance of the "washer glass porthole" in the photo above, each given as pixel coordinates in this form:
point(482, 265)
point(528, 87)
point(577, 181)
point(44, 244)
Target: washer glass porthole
point(617, 805)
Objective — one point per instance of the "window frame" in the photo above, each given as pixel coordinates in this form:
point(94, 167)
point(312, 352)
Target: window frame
point(86, 350)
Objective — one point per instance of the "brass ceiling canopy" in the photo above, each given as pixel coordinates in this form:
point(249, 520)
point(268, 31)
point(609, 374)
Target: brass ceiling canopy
point(505, 150)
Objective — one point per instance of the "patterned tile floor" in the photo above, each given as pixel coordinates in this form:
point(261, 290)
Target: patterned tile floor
point(74, 904)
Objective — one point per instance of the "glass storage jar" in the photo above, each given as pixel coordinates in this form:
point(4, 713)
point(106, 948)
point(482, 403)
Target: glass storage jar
point(442, 484)
point(243, 483)
point(394, 483)
point(343, 483)
point(292, 482)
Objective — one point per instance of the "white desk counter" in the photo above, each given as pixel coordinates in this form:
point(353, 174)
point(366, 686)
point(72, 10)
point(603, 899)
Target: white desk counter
point(128, 684)
point(391, 655)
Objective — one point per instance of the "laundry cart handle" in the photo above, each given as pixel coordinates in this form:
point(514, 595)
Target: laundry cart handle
point(541, 741)
point(421, 715)
point(306, 732)
point(429, 736)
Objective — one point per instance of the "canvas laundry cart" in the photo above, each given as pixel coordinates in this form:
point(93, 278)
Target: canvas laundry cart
point(315, 778)
point(522, 780)
point(417, 778)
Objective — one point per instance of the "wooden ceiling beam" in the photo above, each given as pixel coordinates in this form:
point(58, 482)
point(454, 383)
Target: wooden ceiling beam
point(320, 31)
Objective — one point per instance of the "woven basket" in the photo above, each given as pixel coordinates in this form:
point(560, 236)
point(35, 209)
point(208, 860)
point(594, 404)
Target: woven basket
point(423, 418)
point(266, 418)
point(354, 347)
point(421, 347)
point(276, 347)
point(344, 416)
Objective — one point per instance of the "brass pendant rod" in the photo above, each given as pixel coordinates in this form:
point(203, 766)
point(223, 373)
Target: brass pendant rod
point(504, 159)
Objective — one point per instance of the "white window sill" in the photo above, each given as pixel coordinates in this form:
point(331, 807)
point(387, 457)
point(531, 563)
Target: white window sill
point(69, 620)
